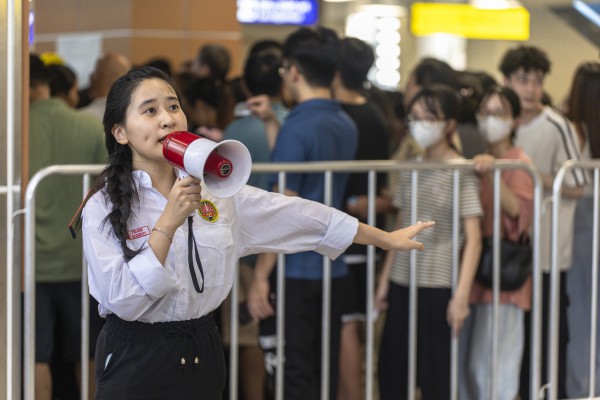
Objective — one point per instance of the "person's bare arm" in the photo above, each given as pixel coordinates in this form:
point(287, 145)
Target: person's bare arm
point(258, 293)
point(400, 239)
point(458, 308)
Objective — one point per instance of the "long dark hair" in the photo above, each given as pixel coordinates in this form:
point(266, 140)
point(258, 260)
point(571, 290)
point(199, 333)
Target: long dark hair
point(117, 177)
point(583, 104)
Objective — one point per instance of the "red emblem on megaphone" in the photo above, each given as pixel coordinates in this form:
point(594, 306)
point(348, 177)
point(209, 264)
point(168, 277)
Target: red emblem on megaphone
point(210, 161)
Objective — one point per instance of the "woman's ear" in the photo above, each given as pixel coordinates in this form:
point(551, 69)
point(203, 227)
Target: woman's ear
point(119, 133)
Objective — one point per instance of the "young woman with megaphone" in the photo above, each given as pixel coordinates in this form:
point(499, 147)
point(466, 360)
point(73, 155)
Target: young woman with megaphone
point(161, 249)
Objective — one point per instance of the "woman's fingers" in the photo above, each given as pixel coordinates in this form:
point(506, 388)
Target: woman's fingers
point(419, 226)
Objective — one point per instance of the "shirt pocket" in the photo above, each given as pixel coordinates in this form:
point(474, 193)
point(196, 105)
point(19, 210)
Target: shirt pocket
point(215, 244)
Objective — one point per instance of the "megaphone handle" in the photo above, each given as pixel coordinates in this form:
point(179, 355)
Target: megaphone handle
point(182, 173)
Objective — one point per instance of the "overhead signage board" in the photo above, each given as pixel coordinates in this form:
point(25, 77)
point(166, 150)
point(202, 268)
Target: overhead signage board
point(278, 12)
point(470, 22)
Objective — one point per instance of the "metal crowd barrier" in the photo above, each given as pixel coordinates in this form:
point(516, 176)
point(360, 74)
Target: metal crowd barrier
point(328, 169)
point(554, 314)
point(29, 280)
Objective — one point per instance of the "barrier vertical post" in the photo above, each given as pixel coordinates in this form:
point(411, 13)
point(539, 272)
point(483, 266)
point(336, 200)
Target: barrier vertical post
point(371, 220)
point(326, 304)
point(413, 299)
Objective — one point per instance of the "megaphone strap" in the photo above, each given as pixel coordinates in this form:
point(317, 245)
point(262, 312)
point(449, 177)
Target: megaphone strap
point(192, 243)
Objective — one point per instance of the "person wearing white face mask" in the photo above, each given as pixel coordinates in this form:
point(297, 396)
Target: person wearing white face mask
point(496, 117)
point(432, 121)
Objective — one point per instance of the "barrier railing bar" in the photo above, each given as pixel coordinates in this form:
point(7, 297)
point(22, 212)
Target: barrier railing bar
point(331, 167)
point(13, 276)
point(594, 266)
point(370, 322)
point(496, 284)
point(29, 273)
point(455, 267)
point(412, 293)
point(554, 316)
point(280, 311)
point(326, 303)
point(234, 336)
point(553, 342)
point(12, 189)
point(85, 314)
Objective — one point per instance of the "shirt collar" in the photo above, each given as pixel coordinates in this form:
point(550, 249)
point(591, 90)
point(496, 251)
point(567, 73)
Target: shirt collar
point(142, 179)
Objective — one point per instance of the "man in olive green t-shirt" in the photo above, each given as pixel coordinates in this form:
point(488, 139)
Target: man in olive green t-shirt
point(58, 135)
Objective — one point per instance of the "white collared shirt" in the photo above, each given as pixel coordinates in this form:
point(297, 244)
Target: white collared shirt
point(252, 221)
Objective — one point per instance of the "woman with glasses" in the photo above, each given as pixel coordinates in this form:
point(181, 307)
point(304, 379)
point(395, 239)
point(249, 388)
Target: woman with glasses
point(496, 121)
point(441, 311)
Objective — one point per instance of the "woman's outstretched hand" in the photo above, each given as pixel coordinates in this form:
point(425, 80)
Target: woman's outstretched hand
point(402, 239)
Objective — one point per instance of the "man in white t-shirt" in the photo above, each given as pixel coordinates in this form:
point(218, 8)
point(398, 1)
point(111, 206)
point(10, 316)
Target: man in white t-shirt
point(549, 139)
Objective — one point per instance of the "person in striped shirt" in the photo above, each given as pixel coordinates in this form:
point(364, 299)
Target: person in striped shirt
point(441, 311)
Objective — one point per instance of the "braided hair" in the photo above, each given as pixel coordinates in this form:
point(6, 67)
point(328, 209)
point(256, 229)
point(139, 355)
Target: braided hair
point(117, 176)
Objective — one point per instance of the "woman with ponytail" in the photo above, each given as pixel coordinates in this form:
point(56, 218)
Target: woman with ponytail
point(159, 265)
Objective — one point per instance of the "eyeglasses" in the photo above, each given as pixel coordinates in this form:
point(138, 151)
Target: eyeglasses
point(411, 119)
point(286, 67)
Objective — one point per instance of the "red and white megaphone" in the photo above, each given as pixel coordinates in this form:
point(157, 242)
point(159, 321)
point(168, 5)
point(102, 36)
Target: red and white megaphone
point(223, 168)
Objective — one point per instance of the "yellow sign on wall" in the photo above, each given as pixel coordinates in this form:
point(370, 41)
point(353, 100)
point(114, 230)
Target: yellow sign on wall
point(470, 22)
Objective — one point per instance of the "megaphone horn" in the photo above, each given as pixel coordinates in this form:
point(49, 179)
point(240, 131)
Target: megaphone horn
point(223, 168)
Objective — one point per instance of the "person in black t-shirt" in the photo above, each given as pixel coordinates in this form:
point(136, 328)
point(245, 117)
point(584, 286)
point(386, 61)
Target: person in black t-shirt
point(356, 58)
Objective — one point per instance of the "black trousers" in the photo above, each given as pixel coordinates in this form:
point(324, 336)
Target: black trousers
point(433, 345)
point(167, 360)
point(563, 339)
point(303, 313)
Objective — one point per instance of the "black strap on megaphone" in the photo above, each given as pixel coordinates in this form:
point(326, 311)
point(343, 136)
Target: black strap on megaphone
point(192, 243)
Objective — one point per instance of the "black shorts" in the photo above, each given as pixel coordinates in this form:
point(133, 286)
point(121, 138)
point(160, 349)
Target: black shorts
point(181, 360)
point(58, 321)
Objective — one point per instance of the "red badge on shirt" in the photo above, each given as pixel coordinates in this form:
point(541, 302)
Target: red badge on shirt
point(208, 211)
point(138, 233)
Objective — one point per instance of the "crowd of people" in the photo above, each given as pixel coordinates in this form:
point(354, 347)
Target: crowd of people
point(156, 333)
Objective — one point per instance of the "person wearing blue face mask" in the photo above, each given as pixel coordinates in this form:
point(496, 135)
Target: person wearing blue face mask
point(432, 122)
point(496, 121)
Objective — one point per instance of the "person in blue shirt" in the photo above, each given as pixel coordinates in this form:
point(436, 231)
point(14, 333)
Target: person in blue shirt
point(316, 129)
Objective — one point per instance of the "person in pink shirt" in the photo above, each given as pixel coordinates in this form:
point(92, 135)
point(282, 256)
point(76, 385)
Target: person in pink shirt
point(496, 118)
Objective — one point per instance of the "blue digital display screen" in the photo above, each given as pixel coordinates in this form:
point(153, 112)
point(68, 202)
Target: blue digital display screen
point(278, 12)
